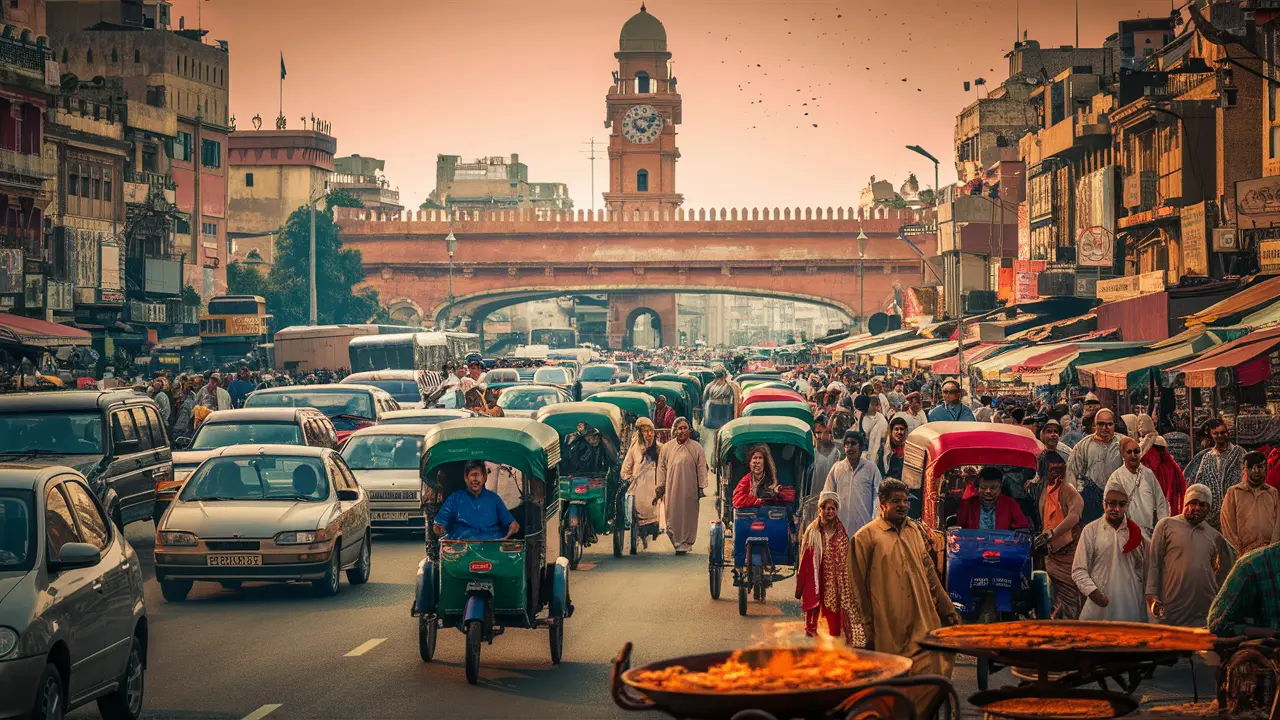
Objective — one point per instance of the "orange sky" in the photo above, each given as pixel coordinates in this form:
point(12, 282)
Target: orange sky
point(404, 80)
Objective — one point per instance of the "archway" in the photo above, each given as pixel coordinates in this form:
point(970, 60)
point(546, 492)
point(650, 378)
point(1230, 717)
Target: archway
point(643, 329)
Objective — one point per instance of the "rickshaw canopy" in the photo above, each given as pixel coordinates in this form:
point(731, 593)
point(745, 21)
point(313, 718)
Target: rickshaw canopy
point(526, 445)
point(770, 395)
point(677, 397)
point(636, 403)
point(772, 385)
point(705, 375)
point(564, 418)
point(736, 436)
point(692, 385)
point(781, 408)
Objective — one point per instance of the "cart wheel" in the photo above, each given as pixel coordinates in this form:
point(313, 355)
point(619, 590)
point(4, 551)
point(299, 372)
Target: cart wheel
point(617, 542)
point(742, 599)
point(474, 631)
point(556, 632)
point(984, 673)
point(569, 549)
point(717, 576)
point(427, 637)
point(635, 531)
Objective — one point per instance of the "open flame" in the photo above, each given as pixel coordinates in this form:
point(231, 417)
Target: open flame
point(778, 669)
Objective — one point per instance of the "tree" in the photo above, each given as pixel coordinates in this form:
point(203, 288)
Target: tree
point(245, 279)
point(804, 336)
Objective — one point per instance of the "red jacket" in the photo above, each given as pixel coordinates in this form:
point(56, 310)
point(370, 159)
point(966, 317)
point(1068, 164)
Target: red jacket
point(743, 497)
point(1168, 476)
point(1008, 515)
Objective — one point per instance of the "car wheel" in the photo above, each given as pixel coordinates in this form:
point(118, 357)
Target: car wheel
point(329, 585)
point(175, 590)
point(359, 574)
point(742, 598)
point(125, 703)
point(50, 701)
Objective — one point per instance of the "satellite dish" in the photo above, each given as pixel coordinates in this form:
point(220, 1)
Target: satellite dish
point(878, 323)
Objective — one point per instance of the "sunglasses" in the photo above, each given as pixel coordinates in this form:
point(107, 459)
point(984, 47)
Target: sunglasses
point(1117, 504)
point(1104, 424)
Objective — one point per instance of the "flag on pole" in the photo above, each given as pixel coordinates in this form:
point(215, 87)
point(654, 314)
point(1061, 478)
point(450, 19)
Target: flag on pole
point(282, 72)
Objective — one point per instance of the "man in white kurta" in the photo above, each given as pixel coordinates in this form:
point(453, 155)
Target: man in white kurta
point(856, 480)
point(1147, 503)
point(682, 477)
point(1110, 564)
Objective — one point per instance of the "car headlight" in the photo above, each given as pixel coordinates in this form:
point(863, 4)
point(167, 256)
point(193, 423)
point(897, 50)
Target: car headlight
point(8, 643)
point(182, 539)
point(301, 537)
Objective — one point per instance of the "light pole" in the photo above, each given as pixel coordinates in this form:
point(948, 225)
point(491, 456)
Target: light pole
point(311, 271)
point(862, 276)
point(450, 245)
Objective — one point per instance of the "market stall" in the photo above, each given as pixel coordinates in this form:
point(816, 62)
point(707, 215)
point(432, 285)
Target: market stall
point(1238, 381)
point(950, 363)
point(920, 358)
point(1257, 296)
point(878, 358)
point(1121, 381)
point(849, 353)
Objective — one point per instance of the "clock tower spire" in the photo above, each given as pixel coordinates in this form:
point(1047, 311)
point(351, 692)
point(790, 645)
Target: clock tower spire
point(642, 108)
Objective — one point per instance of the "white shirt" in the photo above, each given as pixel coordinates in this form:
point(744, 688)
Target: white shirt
point(913, 421)
point(876, 428)
point(857, 488)
point(506, 482)
point(1101, 564)
point(1147, 503)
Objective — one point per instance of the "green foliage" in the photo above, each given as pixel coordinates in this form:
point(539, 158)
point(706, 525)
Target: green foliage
point(190, 296)
point(244, 279)
point(341, 198)
point(804, 336)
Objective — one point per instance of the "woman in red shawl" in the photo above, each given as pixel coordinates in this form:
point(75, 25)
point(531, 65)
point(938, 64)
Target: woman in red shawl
point(760, 485)
point(1155, 455)
point(824, 582)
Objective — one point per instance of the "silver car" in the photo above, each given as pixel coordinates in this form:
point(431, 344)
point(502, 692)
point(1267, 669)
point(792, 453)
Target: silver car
point(73, 628)
point(386, 460)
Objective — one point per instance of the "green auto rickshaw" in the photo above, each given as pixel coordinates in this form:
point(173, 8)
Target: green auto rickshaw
point(704, 374)
point(692, 386)
point(483, 586)
point(591, 497)
point(634, 405)
point(781, 408)
point(676, 395)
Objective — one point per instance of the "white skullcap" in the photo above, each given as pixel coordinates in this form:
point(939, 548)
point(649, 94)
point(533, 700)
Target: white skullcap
point(1200, 492)
point(1115, 485)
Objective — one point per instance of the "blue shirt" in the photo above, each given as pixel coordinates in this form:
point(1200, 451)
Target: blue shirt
point(469, 517)
point(947, 413)
point(239, 390)
point(988, 519)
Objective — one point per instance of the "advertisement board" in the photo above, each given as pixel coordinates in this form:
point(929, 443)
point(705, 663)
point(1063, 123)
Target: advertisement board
point(1258, 202)
point(60, 295)
point(85, 259)
point(1131, 286)
point(1096, 218)
point(249, 325)
point(1195, 240)
point(1024, 231)
point(1269, 257)
point(112, 287)
point(10, 271)
point(1025, 287)
point(162, 277)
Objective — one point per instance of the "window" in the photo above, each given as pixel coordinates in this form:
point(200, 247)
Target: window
point(65, 56)
point(209, 229)
point(59, 526)
point(642, 181)
point(114, 56)
point(150, 158)
point(182, 147)
point(143, 425)
point(92, 524)
point(97, 189)
point(73, 185)
point(106, 190)
point(248, 179)
point(156, 95)
point(183, 225)
point(642, 83)
point(158, 438)
point(88, 56)
point(137, 56)
point(122, 429)
point(211, 153)
point(84, 186)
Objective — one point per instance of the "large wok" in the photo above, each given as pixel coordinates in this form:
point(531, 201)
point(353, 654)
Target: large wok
point(882, 683)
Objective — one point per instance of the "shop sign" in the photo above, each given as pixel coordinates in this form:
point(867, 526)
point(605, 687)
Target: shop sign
point(1024, 231)
point(59, 295)
point(148, 312)
point(1131, 286)
point(1025, 287)
point(251, 325)
point(1140, 191)
point(1096, 218)
point(10, 271)
point(1269, 257)
point(1195, 240)
point(1258, 201)
point(1226, 239)
point(1086, 286)
point(111, 290)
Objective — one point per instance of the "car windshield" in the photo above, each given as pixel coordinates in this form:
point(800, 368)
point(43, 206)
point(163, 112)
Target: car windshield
point(501, 376)
point(50, 433)
point(599, 373)
point(418, 419)
point(383, 452)
point(216, 435)
point(258, 477)
point(556, 376)
point(17, 530)
point(527, 399)
point(401, 390)
point(331, 403)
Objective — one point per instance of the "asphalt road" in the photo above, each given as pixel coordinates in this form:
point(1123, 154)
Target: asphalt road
point(274, 651)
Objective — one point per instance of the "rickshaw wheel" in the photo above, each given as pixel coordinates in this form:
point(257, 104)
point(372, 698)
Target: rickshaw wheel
point(984, 673)
point(617, 542)
point(717, 576)
point(427, 637)
point(474, 631)
point(569, 549)
point(635, 531)
point(556, 632)
point(742, 599)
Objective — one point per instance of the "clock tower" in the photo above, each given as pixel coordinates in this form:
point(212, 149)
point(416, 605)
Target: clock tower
point(643, 109)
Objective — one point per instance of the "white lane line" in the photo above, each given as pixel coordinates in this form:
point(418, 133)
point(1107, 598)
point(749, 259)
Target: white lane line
point(262, 712)
point(366, 647)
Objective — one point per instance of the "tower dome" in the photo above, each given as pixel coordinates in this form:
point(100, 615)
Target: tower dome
point(643, 33)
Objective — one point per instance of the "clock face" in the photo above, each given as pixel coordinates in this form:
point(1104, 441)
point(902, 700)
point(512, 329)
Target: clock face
point(642, 124)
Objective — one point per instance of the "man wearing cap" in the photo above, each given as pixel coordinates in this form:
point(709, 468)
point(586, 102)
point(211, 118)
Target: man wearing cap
point(914, 412)
point(855, 480)
point(1147, 503)
point(1189, 562)
point(951, 409)
point(1092, 461)
point(1110, 563)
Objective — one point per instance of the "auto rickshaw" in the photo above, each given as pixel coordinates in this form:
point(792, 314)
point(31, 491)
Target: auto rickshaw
point(592, 499)
point(692, 385)
point(753, 395)
point(677, 398)
point(766, 540)
point(634, 405)
point(705, 375)
point(781, 408)
point(483, 587)
point(988, 573)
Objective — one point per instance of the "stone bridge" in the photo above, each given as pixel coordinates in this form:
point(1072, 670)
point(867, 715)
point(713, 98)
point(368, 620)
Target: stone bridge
point(639, 259)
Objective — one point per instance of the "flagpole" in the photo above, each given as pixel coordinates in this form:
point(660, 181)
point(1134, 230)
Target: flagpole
point(281, 85)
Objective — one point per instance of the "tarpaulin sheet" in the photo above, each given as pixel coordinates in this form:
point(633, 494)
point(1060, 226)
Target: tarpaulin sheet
point(880, 355)
point(927, 352)
point(950, 365)
point(38, 333)
point(1240, 354)
point(1129, 373)
point(1245, 301)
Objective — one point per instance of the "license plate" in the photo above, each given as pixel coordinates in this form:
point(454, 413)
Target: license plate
point(479, 586)
point(235, 560)
point(390, 516)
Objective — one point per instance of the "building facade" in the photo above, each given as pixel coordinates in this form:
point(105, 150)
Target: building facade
point(493, 183)
point(363, 178)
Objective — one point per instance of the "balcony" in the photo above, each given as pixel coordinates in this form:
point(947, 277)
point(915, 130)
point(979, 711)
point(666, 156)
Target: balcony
point(139, 186)
point(29, 170)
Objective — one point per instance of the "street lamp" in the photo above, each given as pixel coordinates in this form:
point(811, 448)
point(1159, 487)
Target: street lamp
point(451, 246)
point(937, 197)
point(862, 275)
point(312, 315)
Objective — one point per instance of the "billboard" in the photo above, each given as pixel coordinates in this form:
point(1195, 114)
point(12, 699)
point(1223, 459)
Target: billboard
point(112, 286)
point(85, 260)
point(1195, 240)
point(1095, 230)
point(162, 277)
point(60, 295)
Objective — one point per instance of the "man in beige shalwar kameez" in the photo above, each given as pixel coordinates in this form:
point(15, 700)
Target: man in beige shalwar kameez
point(899, 592)
point(682, 477)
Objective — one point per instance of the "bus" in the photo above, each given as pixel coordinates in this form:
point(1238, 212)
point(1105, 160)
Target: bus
point(411, 351)
point(554, 338)
point(307, 348)
point(234, 329)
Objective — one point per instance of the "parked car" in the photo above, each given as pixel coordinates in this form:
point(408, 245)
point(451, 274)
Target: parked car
point(386, 460)
point(246, 426)
point(402, 384)
point(349, 407)
point(560, 376)
point(115, 438)
point(598, 378)
point(526, 400)
point(425, 416)
point(73, 627)
point(274, 513)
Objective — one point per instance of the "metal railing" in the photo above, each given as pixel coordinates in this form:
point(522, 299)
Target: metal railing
point(23, 55)
point(162, 180)
point(37, 166)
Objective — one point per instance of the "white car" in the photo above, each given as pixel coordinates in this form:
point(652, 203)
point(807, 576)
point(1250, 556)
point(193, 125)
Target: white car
point(598, 378)
point(386, 460)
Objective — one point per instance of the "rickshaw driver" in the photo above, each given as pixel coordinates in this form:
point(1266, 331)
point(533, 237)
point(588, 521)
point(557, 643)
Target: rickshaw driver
point(475, 513)
point(991, 509)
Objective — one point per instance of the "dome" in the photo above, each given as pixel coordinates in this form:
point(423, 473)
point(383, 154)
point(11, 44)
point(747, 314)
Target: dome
point(643, 33)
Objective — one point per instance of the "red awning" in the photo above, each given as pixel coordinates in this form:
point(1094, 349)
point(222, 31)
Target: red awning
point(1247, 355)
point(19, 330)
point(950, 365)
point(1035, 362)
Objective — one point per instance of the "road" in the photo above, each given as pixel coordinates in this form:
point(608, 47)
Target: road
point(274, 651)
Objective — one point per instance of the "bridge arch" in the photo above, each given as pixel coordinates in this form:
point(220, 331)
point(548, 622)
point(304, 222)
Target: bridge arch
point(628, 334)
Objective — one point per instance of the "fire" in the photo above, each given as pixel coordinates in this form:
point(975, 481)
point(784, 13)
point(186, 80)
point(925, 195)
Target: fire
point(785, 671)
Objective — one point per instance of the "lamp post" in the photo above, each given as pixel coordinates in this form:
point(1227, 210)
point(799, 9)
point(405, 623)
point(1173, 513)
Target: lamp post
point(937, 200)
point(451, 245)
point(311, 271)
point(862, 276)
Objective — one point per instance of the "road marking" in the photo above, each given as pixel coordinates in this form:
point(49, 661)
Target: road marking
point(262, 712)
point(366, 647)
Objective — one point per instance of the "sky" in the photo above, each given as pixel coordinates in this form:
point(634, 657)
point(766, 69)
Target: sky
point(786, 103)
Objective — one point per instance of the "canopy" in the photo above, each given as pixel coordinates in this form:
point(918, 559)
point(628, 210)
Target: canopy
point(1060, 329)
point(1245, 301)
point(745, 432)
point(880, 355)
point(991, 367)
point(846, 342)
point(780, 408)
point(31, 332)
point(1248, 358)
point(638, 404)
point(770, 395)
point(564, 418)
point(1130, 373)
point(1269, 315)
point(873, 341)
point(1045, 355)
point(526, 445)
point(950, 365)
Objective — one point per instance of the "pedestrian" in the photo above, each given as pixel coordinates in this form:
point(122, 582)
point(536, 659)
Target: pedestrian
point(1251, 508)
point(159, 393)
point(1110, 563)
point(1188, 564)
point(890, 454)
point(824, 580)
point(664, 417)
point(640, 472)
point(721, 398)
point(900, 596)
point(184, 403)
point(1091, 406)
point(856, 482)
point(826, 452)
point(213, 396)
point(897, 397)
point(1147, 504)
point(1155, 455)
point(877, 390)
point(240, 388)
point(871, 422)
point(951, 409)
point(682, 481)
point(984, 413)
point(1178, 444)
point(1092, 461)
point(914, 412)
point(1073, 432)
point(1219, 466)
point(760, 485)
point(1061, 507)
point(1249, 602)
